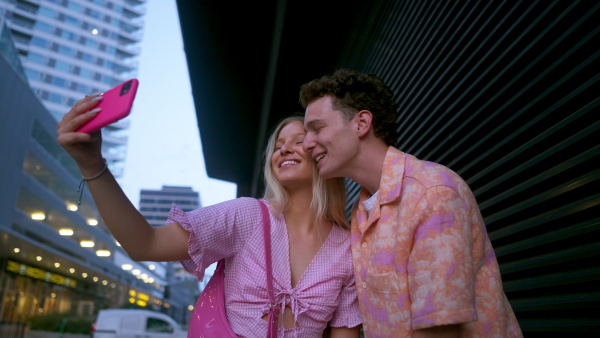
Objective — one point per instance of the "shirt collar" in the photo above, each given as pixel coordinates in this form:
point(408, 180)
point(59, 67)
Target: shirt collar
point(390, 186)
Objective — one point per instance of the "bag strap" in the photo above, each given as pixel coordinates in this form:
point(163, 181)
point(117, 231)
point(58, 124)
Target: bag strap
point(274, 307)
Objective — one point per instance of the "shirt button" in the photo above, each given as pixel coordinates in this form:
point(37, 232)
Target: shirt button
point(364, 285)
point(364, 245)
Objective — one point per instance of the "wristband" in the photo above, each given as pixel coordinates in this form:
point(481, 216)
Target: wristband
point(85, 179)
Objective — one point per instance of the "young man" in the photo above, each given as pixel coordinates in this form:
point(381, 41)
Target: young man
point(424, 264)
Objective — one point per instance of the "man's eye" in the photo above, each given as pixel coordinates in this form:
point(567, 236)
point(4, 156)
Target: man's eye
point(299, 142)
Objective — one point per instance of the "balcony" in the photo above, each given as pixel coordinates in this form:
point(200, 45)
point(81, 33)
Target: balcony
point(20, 38)
point(124, 52)
point(133, 12)
point(128, 63)
point(135, 2)
point(27, 7)
point(128, 39)
point(113, 140)
point(132, 25)
point(117, 126)
point(21, 23)
point(124, 70)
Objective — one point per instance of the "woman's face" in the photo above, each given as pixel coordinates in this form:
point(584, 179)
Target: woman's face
point(291, 166)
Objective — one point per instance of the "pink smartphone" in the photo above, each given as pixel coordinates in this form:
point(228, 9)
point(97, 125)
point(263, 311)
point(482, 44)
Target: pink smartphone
point(116, 104)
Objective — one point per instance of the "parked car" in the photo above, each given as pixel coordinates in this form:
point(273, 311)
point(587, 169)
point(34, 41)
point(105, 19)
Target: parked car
point(130, 323)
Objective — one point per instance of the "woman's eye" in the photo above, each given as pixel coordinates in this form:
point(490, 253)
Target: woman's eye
point(299, 142)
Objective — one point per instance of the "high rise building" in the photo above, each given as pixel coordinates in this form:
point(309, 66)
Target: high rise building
point(73, 48)
point(181, 288)
point(155, 204)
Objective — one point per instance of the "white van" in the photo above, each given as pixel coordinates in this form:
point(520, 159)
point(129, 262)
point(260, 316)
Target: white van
point(130, 323)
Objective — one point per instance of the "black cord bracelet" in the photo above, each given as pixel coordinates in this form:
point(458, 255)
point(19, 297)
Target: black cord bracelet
point(85, 179)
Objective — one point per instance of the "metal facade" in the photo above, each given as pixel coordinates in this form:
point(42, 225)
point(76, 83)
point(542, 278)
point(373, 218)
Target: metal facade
point(505, 93)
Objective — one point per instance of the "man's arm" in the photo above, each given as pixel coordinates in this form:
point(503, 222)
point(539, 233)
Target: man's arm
point(441, 278)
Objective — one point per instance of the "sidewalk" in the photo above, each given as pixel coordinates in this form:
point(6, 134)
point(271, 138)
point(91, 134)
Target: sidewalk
point(46, 334)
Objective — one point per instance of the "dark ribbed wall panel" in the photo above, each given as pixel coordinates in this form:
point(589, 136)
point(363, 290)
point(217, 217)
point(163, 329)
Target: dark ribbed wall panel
point(506, 94)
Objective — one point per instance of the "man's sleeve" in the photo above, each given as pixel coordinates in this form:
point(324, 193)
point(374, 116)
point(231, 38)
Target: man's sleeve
point(440, 269)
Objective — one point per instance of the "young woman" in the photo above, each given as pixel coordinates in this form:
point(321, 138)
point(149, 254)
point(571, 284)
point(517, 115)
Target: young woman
point(312, 267)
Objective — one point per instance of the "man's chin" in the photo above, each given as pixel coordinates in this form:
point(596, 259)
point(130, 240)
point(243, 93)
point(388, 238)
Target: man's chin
point(325, 174)
point(322, 172)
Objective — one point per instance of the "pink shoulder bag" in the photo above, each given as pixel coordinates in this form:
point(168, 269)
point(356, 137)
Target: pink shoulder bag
point(208, 318)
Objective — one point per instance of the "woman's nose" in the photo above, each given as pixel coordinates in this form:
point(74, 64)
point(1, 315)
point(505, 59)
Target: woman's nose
point(285, 149)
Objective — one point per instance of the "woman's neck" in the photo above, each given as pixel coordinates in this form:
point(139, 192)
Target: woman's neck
point(299, 215)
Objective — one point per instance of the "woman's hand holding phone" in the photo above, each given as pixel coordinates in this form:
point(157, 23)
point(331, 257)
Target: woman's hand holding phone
point(116, 104)
point(79, 131)
point(83, 147)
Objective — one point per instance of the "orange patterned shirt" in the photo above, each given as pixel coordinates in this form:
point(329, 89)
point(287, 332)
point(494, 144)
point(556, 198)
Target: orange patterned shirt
point(422, 256)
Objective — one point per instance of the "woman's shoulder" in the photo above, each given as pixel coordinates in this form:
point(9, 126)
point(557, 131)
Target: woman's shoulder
point(234, 204)
point(340, 236)
point(243, 208)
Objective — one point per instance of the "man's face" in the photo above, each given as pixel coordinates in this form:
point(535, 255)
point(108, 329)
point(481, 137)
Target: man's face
point(330, 140)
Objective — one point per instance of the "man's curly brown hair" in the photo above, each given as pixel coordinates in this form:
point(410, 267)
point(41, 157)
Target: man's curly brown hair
point(352, 92)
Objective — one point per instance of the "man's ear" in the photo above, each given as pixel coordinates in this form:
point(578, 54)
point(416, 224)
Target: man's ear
point(364, 119)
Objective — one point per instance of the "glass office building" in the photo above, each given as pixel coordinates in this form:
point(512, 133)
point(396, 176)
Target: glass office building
point(58, 257)
point(72, 48)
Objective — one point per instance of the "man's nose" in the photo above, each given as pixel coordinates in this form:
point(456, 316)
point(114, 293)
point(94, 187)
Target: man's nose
point(308, 144)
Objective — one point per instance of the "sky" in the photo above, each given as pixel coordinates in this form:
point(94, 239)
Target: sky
point(164, 145)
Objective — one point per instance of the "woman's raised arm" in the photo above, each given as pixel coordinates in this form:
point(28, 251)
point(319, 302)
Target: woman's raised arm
point(140, 240)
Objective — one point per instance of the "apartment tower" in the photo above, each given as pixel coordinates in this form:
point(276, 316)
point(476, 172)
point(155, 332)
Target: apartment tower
point(73, 48)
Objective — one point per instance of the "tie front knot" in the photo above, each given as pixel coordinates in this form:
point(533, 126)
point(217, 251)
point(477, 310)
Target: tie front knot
point(288, 298)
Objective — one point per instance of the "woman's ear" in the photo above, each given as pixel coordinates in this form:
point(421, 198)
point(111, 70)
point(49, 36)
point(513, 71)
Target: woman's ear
point(364, 122)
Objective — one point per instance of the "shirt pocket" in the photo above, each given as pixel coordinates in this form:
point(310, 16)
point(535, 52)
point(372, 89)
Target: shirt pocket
point(386, 282)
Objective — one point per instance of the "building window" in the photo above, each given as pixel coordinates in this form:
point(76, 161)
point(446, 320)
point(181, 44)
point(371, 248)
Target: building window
point(42, 26)
point(38, 42)
point(65, 50)
point(63, 66)
point(36, 58)
point(55, 98)
point(33, 74)
point(60, 82)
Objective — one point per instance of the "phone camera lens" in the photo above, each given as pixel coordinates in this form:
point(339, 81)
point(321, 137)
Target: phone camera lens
point(125, 88)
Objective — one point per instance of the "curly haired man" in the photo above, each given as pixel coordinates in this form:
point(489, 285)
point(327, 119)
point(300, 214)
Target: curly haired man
point(424, 264)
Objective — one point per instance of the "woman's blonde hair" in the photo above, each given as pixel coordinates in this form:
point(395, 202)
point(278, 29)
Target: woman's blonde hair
point(329, 196)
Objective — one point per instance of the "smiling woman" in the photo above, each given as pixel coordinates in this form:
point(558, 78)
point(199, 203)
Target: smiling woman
point(326, 194)
point(291, 166)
